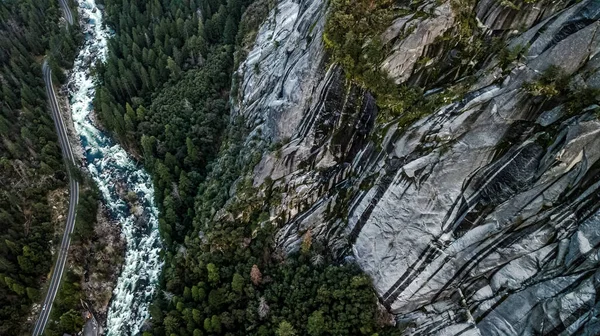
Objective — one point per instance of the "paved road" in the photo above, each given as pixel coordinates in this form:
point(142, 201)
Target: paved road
point(65, 146)
point(65, 7)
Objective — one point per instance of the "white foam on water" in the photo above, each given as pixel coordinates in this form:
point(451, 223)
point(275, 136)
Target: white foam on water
point(111, 167)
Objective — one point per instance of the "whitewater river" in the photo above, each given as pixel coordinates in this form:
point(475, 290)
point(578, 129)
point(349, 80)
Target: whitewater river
point(111, 167)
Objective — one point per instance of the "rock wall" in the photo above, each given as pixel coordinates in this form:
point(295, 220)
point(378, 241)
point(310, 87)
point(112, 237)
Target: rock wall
point(480, 219)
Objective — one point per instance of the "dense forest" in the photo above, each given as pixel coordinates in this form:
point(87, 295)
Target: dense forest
point(30, 160)
point(164, 93)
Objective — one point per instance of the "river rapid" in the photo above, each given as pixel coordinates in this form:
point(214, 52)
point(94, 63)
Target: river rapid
point(114, 170)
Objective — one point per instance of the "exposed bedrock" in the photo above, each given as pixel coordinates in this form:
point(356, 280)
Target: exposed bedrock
point(481, 218)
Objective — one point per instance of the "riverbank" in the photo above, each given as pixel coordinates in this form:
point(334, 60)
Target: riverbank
point(98, 262)
point(126, 190)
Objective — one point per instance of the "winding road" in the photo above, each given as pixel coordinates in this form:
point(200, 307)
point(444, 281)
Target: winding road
point(69, 159)
point(61, 261)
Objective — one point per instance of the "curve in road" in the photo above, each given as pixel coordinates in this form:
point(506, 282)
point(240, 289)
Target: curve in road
point(65, 146)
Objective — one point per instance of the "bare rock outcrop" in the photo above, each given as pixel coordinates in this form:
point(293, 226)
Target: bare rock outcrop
point(479, 219)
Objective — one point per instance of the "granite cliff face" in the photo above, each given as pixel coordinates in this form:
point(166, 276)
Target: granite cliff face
point(480, 219)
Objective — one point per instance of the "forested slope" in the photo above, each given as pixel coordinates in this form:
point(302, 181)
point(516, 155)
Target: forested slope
point(30, 159)
point(164, 92)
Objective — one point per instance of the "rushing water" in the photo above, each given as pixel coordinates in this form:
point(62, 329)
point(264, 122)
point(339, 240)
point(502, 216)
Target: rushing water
point(113, 169)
